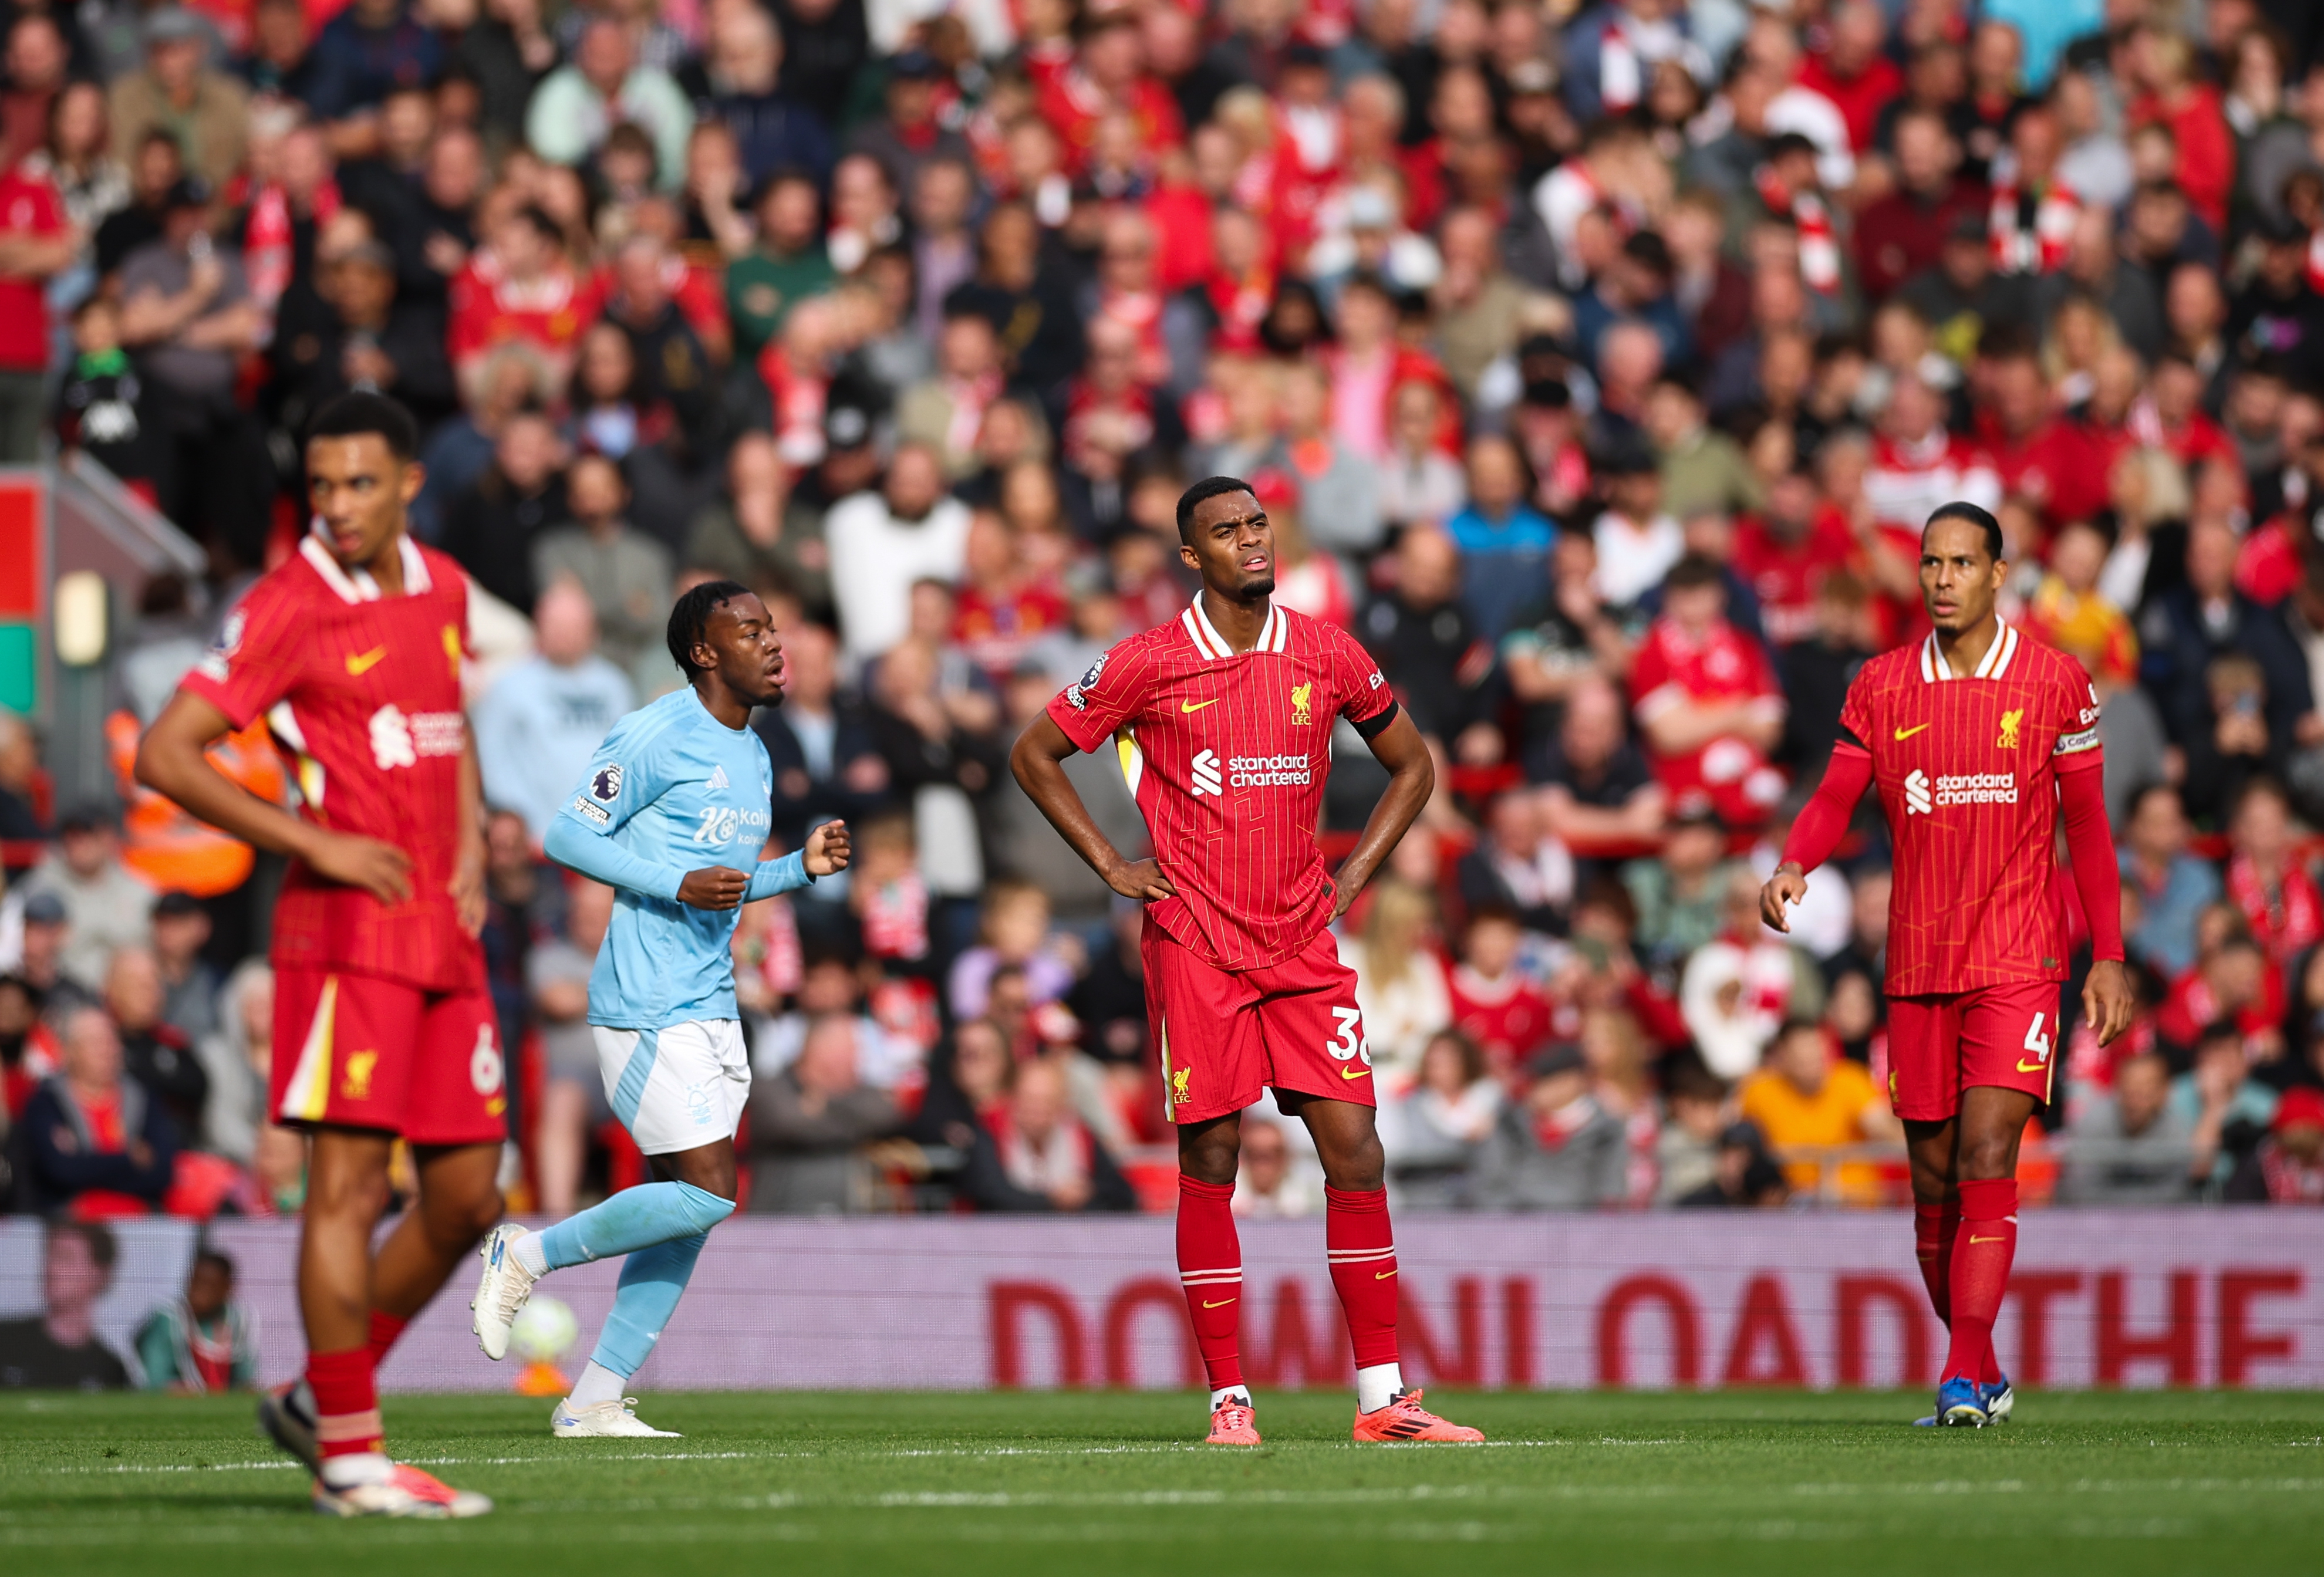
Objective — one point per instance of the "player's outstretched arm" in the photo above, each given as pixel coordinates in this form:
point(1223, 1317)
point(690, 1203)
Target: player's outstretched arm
point(1817, 832)
point(170, 761)
point(1412, 778)
point(601, 859)
point(1037, 760)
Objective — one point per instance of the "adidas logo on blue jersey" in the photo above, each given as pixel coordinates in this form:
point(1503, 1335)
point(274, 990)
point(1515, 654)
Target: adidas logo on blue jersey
point(718, 778)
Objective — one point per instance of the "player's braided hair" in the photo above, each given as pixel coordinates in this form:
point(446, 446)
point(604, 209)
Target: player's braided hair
point(689, 618)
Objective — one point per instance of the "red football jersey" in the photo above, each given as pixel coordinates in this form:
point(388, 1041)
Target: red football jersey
point(362, 693)
point(1226, 755)
point(1967, 771)
point(1673, 671)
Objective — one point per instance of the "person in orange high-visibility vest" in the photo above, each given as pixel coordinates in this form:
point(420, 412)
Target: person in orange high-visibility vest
point(171, 849)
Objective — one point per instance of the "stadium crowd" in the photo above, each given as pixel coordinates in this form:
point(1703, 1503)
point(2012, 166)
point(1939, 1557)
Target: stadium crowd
point(1597, 368)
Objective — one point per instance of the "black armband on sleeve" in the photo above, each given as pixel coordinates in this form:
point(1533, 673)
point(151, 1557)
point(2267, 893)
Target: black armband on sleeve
point(1847, 735)
point(1373, 726)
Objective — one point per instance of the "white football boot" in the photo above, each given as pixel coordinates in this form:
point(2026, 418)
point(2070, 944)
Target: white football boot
point(604, 1421)
point(501, 1290)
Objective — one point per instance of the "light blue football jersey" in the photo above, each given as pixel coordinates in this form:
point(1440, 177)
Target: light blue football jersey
point(673, 787)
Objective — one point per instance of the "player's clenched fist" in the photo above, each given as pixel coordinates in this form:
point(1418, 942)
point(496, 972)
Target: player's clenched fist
point(714, 887)
point(1785, 888)
point(827, 849)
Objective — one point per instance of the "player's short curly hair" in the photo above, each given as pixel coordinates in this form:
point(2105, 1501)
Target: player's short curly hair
point(1209, 487)
point(689, 618)
point(1962, 509)
point(361, 411)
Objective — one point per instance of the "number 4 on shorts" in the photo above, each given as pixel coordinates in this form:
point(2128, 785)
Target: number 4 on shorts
point(2038, 1044)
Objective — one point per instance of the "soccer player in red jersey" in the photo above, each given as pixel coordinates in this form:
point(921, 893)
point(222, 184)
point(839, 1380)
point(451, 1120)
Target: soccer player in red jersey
point(1222, 719)
point(1979, 741)
point(351, 650)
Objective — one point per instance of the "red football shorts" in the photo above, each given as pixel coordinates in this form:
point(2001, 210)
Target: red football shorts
point(2000, 1035)
point(355, 1051)
point(1227, 1035)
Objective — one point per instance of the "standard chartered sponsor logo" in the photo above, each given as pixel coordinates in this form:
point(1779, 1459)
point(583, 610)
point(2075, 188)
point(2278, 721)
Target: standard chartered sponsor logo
point(1205, 774)
point(1979, 789)
point(1916, 793)
point(1260, 771)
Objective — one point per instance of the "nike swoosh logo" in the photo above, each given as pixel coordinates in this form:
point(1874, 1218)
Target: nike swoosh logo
point(1220, 1304)
point(1909, 732)
point(363, 662)
point(1382, 1275)
point(2030, 1067)
point(1355, 1073)
point(1992, 1240)
point(1197, 706)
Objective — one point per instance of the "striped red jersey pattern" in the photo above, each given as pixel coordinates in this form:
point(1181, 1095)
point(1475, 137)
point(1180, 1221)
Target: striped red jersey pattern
point(1226, 755)
point(361, 694)
point(1967, 769)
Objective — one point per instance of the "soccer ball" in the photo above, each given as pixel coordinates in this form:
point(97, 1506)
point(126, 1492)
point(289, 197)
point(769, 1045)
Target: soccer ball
point(545, 1330)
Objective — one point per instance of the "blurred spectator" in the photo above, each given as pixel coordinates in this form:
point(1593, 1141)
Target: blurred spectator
point(882, 542)
point(1555, 1148)
point(35, 245)
point(1013, 932)
point(2133, 1150)
point(573, 1100)
point(1425, 642)
point(1737, 989)
point(491, 526)
point(1434, 1133)
point(544, 717)
point(190, 986)
point(105, 907)
point(156, 1055)
point(1272, 1184)
point(1687, 1148)
point(1745, 1176)
point(821, 743)
point(1596, 790)
point(1495, 1005)
point(1681, 898)
point(2287, 1166)
point(758, 532)
point(97, 1142)
point(59, 1348)
point(206, 111)
point(602, 88)
point(1399, 979)
point(203, 1341)
point(1519, 866)
point(21, 780)
point(1504, 541)
point(1807, 1098)
point(236, 1059)
point(807, 1122)
point(1034, 1154)
point(28, 1053)
point(2221, 1103)
point(2172, 887)
point(1707, 702)
point(626, 573)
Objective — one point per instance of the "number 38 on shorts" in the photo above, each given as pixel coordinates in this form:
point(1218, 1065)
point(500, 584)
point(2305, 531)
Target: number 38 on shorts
point(1227, 1036)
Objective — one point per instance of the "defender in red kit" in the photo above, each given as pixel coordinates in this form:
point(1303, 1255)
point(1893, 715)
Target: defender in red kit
point(351, 650)
point(1222, 719)
point(1979, 742)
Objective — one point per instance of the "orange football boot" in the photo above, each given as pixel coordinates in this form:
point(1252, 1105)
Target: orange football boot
point(1232, 1423)
point(1404, 1419)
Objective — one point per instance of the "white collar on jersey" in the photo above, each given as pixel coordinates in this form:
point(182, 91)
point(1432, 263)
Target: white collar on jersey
point(357, 586)
point(1211, 643)
point(1935, 669)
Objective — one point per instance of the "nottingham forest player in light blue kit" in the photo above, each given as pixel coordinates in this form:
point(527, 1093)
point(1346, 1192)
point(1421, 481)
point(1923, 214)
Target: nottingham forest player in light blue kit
point(676, 786)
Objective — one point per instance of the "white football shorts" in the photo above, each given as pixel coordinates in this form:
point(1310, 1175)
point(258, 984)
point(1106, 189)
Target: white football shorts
point(678, 1087)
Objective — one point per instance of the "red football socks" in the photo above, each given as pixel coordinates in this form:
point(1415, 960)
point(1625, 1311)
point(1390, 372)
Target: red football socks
point(1935, 1227)
point(1209, 1268)
point(385, 1329)
point(347, 1402)
point(1362, 1250)
point(1979, 1275)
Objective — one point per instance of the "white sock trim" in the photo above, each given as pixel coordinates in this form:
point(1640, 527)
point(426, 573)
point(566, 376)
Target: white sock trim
point(528, 1252)
point(1377, 1387)
point(597, 1384)
point(1218, 1399)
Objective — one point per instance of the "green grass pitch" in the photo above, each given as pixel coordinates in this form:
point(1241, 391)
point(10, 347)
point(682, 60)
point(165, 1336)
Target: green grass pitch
point(1017, 1484)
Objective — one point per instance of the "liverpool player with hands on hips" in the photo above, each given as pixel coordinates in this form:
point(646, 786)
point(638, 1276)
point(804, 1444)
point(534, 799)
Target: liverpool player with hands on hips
point(1222, 719)
point(1978, 741)
point(680, 781)
point(351, 649)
